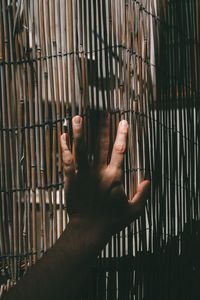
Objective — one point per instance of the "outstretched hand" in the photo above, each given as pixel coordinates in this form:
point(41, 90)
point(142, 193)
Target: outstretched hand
point(98, 207)
point(96, 195)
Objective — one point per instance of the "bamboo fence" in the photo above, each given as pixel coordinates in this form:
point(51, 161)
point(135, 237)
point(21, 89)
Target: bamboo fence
point(140, 61)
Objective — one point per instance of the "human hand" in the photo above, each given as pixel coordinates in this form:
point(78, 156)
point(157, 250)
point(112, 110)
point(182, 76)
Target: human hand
point(96, 195)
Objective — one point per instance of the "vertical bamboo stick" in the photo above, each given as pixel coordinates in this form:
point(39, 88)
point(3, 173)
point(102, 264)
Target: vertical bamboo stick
point(51, 161)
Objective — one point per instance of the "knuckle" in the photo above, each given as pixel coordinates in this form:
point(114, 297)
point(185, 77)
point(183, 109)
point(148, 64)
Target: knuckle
point(123, 131)
point(66, 151)
point(119, 148)
point(78, 133)
point(68, 161)
point(67, 158)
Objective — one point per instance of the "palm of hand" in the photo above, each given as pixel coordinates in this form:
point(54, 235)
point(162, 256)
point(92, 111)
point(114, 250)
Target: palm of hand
point(97, 194)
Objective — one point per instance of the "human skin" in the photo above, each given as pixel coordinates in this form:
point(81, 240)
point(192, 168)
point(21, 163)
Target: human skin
point(97, 206)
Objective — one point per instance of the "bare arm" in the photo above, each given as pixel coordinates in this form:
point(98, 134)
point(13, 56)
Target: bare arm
point(98, 208)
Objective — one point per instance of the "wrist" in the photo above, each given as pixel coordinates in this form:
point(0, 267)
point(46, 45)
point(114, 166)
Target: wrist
point(94, 231)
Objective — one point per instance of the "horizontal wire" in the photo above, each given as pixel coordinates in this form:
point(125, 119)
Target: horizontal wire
point(24, 189)
point(64, 54)
point(37, 125)
point(139, 114)
point(21, 255)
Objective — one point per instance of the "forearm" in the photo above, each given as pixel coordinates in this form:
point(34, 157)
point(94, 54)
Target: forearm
point(98, 207)
point(62, 270)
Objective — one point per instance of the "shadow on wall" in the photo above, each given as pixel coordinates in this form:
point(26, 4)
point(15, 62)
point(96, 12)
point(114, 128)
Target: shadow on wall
point(168, 274)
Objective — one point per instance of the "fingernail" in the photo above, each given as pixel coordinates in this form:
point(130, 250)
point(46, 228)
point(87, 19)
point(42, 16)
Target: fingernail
point(123, 124)
point(77, 120)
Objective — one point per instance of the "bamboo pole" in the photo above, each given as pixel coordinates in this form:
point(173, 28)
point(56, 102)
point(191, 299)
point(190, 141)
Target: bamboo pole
point(139, 60)
point(50, 86)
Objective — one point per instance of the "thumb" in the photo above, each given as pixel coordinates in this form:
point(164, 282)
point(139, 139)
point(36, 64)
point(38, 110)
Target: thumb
point(138, 201)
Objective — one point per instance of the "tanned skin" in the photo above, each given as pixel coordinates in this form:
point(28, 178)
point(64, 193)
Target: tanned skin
point(98, 207)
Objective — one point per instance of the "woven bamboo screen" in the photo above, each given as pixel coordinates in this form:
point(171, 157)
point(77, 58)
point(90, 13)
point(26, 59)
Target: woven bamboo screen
point(139, 60)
